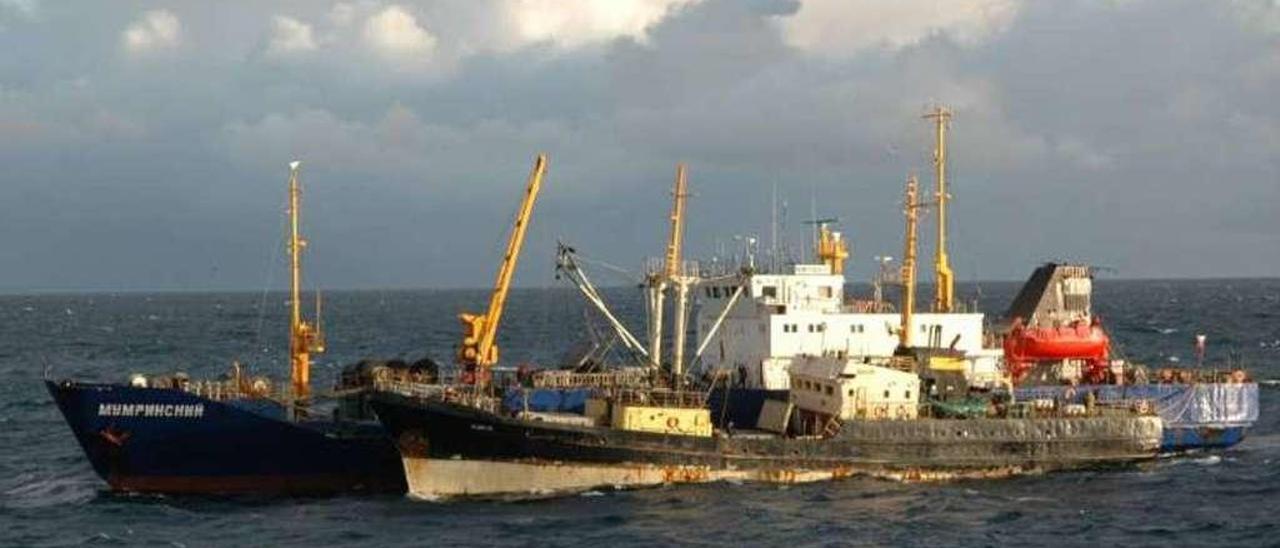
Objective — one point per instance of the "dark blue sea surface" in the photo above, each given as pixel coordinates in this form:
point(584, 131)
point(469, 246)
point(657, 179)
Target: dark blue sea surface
point(50, 497)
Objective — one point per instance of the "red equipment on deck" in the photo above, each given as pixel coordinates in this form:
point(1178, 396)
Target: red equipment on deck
point(1087, 341)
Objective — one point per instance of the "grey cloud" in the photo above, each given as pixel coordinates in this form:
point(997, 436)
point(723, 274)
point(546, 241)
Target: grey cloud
point(1122, 133)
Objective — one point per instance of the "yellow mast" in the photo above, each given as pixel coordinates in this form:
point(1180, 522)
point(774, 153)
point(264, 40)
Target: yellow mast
point(304, 338)
point(479, 350)
point(677, 224)
point(910, 206)
point(675, 275)
point(658, 282)
point(944, 296)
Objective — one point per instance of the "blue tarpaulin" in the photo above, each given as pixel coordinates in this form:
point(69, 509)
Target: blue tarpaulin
point(547, 400)
point(1202, 404)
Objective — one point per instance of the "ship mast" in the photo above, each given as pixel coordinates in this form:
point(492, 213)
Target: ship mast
point(944, 295)
point(304, 338)
point(659, 280)
point(910, 206)
point(479, 349)
point(674, 272)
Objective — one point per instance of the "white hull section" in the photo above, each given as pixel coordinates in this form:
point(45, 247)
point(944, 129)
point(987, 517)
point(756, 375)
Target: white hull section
point(434, 479)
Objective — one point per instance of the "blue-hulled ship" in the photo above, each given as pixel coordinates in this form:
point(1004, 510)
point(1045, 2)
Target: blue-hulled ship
point(239, 433)
point(157, 439)
point(1057, 350)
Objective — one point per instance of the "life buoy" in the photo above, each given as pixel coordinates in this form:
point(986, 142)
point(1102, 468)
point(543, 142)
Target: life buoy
point(1144, 406)
point(673, 422)
point(1238, 376)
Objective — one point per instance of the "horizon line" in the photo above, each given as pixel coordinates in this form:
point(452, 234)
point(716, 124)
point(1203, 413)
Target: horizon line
point(22, 292)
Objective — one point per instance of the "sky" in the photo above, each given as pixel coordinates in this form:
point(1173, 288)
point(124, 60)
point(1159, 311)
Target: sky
point(145, 145)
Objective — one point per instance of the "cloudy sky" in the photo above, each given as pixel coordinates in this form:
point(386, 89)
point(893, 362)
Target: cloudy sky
point(145, 145)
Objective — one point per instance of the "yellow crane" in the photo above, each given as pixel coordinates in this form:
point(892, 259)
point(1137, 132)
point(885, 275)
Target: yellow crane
point(479, 349)
point(944, 296)
point(305, 338)
point(910, 207)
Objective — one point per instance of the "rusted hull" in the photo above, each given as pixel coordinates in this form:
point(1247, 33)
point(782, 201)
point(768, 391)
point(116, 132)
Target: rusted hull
point(453, 450)
point(433, 479)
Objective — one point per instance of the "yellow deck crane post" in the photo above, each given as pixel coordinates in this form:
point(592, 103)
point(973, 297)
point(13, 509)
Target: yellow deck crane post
point(911, 205)
point(832, 249)
point(944, 296)
point(305, 338)
point(479, 349)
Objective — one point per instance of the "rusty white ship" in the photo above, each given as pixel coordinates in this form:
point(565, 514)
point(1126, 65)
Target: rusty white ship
point(757, 319)
point(910, 415)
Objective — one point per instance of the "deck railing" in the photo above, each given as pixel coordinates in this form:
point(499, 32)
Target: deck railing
point(661, 398)
point(627, 378)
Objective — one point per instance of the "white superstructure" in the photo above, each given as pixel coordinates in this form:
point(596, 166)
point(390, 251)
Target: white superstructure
point(847, 389)
point(780, 318)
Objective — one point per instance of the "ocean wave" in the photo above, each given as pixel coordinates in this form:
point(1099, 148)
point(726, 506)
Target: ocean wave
point(33, 492)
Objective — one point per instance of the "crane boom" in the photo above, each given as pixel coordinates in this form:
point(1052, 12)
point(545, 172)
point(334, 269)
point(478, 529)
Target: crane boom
point(479, 350)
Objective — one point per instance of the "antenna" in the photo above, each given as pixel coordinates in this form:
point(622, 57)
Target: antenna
point(319, 323)
point(783, 221)
point(773, 230)
point(813, 213)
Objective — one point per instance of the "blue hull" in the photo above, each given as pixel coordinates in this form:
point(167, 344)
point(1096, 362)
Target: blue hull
point(1179, 439)
point(171, 441)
